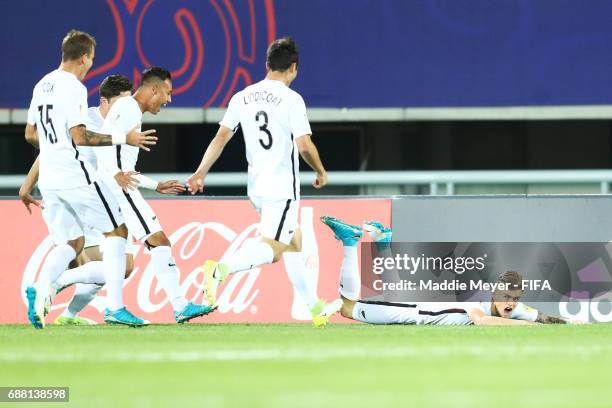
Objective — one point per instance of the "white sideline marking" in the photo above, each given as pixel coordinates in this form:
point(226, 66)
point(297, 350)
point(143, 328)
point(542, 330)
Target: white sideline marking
point(302, 354)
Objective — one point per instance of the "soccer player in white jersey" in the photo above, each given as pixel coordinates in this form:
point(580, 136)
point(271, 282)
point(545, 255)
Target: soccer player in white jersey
point(504, 309)
point(87, 269)
point(154, 92)
point(275, 128)
point(72, 198)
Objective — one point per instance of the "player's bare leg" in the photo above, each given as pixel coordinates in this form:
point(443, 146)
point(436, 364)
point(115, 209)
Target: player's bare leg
point(347, 307)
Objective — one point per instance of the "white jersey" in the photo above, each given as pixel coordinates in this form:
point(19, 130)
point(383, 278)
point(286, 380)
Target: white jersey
point(123, 116)
point(457, 313)
point(59, 103)
point(95, 124)
point(271, 116)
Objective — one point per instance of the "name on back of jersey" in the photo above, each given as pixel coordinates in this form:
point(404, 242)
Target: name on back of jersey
point(262, 97)
point(47, 87)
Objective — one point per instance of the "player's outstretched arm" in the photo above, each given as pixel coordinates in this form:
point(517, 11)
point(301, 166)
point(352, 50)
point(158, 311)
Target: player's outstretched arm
point(31, 135)
point(27, 186)
point(163, 187)
point(310, 154)
point(546, 319)
point(84, 137)
point(480, 318)
point(195, 183)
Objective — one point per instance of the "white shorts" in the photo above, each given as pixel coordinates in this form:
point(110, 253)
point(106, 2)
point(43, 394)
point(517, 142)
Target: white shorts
point(375, 312)
point(68, 212)
point(421, 313)
point(279, 218)
point(96, 238)
point(139, 216)
point(451, 315)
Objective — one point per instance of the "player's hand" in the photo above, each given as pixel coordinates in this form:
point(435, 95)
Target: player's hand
point(195, 183)
point(28, 200)
point(170, 187)
point(141, 139)
point(126, 180)
point(320, 181)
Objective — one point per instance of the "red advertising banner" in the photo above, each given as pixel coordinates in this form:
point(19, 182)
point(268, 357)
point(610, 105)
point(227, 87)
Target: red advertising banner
point(199, 230)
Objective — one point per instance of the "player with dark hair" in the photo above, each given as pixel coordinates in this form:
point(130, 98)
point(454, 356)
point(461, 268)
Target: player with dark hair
point(275, 128)
point(155, 91)
point(111, 87)
point(153, 76)
point(73, 199)
point(503, 309)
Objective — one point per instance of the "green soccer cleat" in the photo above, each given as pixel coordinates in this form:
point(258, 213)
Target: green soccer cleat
point(321, 311)
point(72, 321)
point(215, 273)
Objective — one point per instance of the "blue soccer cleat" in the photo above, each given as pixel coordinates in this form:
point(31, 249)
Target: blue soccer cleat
point(36, 306)
point(124, 317)
point(380, 234)
point(192, 311)
point(347, 233)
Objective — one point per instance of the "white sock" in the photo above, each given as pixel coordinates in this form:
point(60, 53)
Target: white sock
point(91, 272)
point(250, 255)
point(113, 260)
point(350, 280)
point(83, 295)
point(295, 266)
point(390, 276)
point(56, 262)
point(168, 275)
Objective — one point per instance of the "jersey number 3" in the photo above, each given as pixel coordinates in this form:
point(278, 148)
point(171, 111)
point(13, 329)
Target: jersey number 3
point(49, 133)
point(264, 128)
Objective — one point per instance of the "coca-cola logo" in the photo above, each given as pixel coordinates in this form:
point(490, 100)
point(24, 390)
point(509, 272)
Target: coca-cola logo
point(236, 295)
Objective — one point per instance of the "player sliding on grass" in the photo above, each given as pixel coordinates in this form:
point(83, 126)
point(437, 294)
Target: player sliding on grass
point(275, 128)
point(503, 309)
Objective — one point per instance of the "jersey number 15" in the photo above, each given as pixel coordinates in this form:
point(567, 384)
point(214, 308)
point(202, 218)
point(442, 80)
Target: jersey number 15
point(49, 133)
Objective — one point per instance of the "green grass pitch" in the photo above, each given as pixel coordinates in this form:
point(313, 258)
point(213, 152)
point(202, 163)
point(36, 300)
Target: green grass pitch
point(200, 365)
